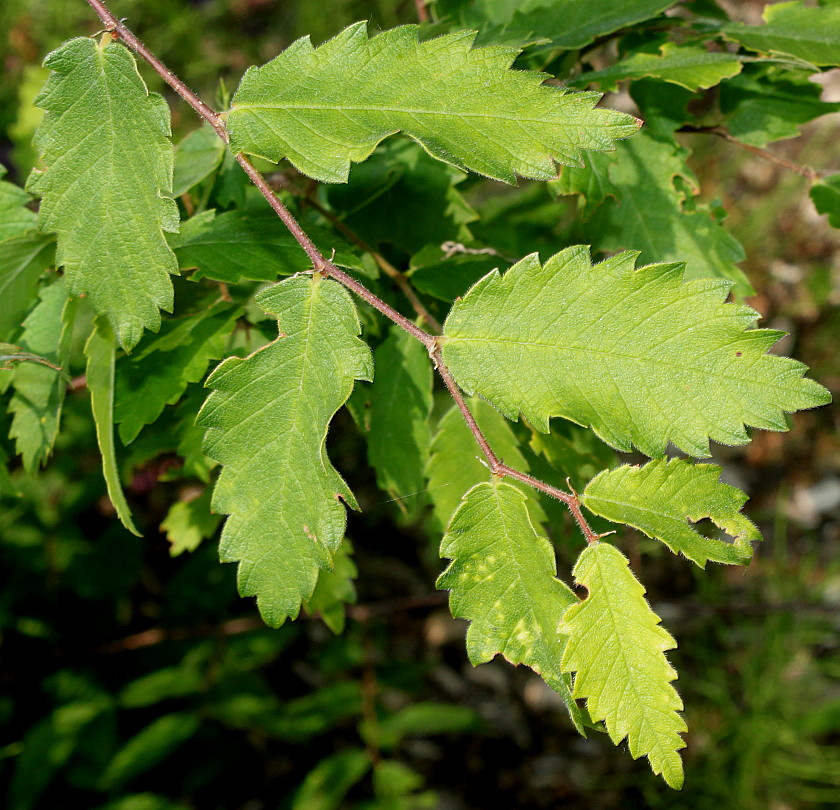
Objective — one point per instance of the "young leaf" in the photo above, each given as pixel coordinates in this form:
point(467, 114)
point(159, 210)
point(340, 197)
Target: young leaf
point(39, 389)
point(327, 107)
point(616, 648)
point(455, 460)
point(334, 590)
point(15, 218)
point(105, 143)
point(22, 261)
point(809, 33)
point(640, 356)
point(690, 66)
point(503, 579)
point(400, 407)
point(267, 421)
point(661, 497)
point(100, 350)
point(165, 364)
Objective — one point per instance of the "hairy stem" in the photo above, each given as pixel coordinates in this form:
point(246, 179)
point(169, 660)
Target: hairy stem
point(329, 270)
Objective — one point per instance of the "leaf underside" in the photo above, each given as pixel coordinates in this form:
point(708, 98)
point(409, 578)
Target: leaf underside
point(105, 144)
point(323, 108)
point(663, 496)
point(616, 648)
point(640, 356)
point(267, 421)
point(502, 579)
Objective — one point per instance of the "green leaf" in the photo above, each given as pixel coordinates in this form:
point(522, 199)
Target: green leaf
point(267, 421)
point(328, 782)
point(446, 277)
point(809, 33)
point(240, 245)
point(400, 407)
point(767, 104)
point(648, 206)
point(616, 648)
point(640, 356)
point(323, 109)
point(690, 66)
point(39, 389)
point(502, 579)
point(662, 497)
point(826, 197)
point(149, 747)
point(158, 373)
point(196, 157)
point(575, 452)
point(15, 218)
point(401, 196)
point(456, 464)
point(105, 143)
point(188, 522)
point(100, 350)
point(23, 260)
point(334, 590)
point(421, 719)
point(567, 24)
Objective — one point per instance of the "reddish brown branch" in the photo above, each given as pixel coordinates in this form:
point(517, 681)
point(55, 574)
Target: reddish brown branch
point(803, 171)
point(329, 270)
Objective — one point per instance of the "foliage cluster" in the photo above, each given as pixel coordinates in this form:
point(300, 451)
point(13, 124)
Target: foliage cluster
point(120, 291)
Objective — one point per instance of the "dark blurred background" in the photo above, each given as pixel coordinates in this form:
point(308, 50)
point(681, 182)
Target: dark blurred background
point(134, 681)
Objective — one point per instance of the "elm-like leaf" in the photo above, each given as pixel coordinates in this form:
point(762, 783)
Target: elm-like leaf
point(323, 108)
point(105, 144)
point(616, 648)
point(641, 356)
point(15, 217)
point(661, 498)
point(503, 579)
point(267, 421)
point(23, 260)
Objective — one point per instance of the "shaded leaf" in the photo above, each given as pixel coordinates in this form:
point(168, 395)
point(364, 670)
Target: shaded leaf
point(267, 421)
point(826, 197)
point(23, 260)
point(662, 497)
point(325, 108)
point(334, 589)
point(15, 218)
point(188, 522)
point(100, 350)
point(105, 143)
point(502, 578)
point(641, 356)
point(400, 406)
point(158, 373)
point(456, 464)
point(328, 782)
point(39, 389)
point(807, 32)
point(616, 647)
point(197, 156)
point(690, 66)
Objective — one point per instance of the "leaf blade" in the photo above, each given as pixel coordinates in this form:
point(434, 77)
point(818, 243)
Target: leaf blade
point(502, 578)
point(105, 142)
point(267, 419)
point(616, 648)
point(660, 497)
point(327, 107)
point(641, 356)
